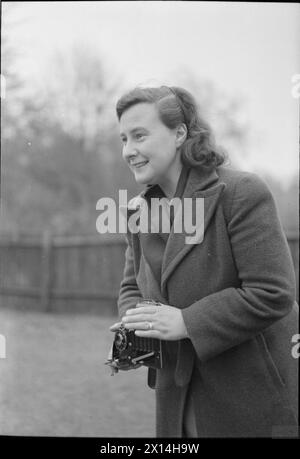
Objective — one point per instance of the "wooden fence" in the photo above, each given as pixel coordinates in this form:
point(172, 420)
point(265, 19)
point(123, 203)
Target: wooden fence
point(61, 274)
point(70, 274)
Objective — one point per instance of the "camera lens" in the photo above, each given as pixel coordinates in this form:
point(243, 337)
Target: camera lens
point(120, 340)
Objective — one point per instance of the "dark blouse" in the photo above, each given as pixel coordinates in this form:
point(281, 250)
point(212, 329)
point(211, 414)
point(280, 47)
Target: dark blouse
point(153, 244)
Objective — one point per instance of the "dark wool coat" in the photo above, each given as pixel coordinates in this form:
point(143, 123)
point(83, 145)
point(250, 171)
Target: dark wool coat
point(236, 290)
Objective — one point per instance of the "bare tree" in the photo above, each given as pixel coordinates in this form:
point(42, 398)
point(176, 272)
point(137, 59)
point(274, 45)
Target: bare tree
point(79, 94)
point(59, 164)
point(11, 103)
point(226, 113)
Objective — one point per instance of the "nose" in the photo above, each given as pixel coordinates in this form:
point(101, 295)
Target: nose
point(129, 152)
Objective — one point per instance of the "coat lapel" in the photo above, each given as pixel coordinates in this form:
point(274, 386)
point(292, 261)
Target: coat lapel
point(199, 185)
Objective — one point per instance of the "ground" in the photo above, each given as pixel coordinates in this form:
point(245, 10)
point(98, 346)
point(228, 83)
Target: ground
point(53, 381)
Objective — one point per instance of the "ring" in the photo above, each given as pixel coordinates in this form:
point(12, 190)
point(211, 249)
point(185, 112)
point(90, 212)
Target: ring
point(150, 325)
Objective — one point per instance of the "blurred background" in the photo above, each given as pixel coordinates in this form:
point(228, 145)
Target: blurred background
point(65, 64)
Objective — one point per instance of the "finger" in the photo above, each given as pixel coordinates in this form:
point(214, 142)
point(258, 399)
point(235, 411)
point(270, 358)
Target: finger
point(136, 318)
point(148, 309)
point(137, 326)
point(142, 309)
point(115, 326)
point(148, 334)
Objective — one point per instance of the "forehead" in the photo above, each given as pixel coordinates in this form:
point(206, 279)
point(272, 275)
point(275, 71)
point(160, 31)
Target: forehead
point(140, 115)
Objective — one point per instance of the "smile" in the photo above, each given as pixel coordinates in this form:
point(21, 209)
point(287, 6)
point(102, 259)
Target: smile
point(141, 164)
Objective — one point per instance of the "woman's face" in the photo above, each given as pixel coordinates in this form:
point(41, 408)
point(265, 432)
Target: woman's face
point(149, 147)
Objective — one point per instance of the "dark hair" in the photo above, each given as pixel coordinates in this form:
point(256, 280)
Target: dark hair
point(175, 106)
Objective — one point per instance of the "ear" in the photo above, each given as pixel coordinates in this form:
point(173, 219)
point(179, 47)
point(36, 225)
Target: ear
point(181, 134)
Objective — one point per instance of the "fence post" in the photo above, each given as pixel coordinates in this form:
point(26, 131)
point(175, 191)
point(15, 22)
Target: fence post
point(46, 271)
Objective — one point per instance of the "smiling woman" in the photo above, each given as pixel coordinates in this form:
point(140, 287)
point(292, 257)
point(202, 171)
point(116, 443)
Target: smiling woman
point(154, 132)
point(149, 149)
point(227, 310)
point(160, 134)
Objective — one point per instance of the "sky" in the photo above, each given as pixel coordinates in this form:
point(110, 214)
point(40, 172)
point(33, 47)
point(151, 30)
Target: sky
point(249, 50)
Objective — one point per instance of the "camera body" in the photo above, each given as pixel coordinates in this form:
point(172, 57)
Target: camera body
point(130, 351)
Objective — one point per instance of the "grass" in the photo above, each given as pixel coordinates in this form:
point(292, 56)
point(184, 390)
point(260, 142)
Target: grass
point(53, 381)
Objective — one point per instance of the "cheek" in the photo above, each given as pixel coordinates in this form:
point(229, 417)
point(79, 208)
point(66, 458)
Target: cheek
point(168, 151)
point(170, 145)
point(161, 151)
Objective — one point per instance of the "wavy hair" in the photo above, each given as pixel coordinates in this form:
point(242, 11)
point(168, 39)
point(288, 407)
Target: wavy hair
point(175, 106)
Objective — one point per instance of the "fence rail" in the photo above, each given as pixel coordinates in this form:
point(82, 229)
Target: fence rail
point(76, 273)
point(60, 273)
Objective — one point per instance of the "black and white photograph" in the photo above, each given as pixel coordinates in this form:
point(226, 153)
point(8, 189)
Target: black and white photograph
point(149, 233)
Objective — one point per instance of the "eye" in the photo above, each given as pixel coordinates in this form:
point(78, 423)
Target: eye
point(139, 136)
point(123, 140)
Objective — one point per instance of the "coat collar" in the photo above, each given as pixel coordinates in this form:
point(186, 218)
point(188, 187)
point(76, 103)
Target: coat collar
point(200, 184)
point(198, 180)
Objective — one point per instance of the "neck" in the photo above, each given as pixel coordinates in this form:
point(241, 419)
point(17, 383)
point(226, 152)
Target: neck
point(169, 184)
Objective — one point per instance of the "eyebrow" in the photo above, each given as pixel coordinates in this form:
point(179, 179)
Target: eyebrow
point(132, 131)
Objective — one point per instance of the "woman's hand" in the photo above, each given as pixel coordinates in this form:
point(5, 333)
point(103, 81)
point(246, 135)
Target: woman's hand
point(161, 322)
point(115, 327)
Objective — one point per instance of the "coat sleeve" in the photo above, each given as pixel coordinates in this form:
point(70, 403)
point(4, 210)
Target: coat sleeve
point(129, 293)
point(267, 289)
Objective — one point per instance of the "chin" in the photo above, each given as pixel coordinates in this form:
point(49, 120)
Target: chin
point(143, 179)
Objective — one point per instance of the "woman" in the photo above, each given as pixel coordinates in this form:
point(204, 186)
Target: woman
point(228, 309)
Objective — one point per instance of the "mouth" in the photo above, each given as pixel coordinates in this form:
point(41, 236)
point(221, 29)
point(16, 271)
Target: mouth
point(139, 164)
